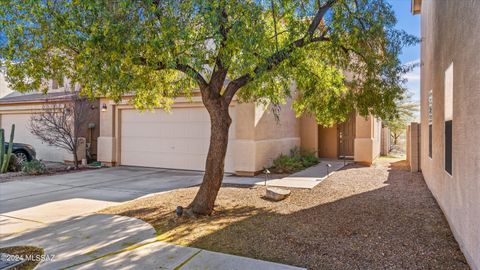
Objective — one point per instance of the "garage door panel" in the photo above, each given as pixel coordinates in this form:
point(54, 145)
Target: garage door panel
point(179, 139)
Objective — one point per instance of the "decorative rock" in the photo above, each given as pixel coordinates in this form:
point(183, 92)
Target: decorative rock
point(277, 194)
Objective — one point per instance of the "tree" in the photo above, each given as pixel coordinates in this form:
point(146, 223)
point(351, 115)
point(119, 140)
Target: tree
point(406, 111)
point(250, 50)
point(60, 123)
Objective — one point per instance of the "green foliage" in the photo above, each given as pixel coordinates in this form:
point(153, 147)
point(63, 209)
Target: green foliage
point(297, 160)
point(406, 110)
point(5, 158)
point(34, 167)
point(158, 50)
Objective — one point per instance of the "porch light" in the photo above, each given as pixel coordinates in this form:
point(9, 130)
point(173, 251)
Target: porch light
point(104, 107)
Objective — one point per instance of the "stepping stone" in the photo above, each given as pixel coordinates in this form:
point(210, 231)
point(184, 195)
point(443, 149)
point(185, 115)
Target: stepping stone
point(277, 194)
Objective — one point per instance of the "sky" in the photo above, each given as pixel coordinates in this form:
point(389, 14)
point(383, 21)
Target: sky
point(411, 24)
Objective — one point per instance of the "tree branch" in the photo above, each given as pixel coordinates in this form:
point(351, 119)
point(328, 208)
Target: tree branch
point(187, 69)
point(279, 56)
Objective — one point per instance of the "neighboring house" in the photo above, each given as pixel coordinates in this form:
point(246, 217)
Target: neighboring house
point(180, 139)
point(450, 114)
point(17, 108)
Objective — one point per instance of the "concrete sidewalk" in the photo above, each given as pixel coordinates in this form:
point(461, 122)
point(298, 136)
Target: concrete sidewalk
point(306, 179)
point(116, 242)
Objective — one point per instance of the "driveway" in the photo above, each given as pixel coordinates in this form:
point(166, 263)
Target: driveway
point(30, 203)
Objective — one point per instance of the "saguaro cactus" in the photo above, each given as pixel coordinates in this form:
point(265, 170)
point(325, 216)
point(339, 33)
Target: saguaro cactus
point(5, 158)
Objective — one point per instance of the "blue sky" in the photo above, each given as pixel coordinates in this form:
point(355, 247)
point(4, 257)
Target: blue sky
point(410, 24)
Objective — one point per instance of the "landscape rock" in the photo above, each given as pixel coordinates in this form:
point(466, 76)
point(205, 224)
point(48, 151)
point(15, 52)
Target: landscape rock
point(277, 194)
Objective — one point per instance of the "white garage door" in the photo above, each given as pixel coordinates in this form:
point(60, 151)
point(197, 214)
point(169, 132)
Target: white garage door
point(23, 135)
point(177, 140)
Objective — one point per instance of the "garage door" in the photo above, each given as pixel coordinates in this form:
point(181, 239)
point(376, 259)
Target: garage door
point(23, 135)
point(177, 140)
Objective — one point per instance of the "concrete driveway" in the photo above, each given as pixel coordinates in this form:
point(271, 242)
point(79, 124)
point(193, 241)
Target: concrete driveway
point(33, 202)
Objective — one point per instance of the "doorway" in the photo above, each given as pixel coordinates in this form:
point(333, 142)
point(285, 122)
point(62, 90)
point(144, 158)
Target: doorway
point(346, 137)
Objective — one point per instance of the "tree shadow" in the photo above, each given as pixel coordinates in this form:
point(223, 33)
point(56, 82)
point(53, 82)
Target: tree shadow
point(396, 226)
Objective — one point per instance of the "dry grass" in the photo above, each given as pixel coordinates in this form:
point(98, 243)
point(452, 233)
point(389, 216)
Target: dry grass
point(379, 217)
point(23, 251)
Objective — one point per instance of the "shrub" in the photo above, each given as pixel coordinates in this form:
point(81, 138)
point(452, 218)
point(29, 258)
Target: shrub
point(34, 167)
point(298, 159)
point(286, 164)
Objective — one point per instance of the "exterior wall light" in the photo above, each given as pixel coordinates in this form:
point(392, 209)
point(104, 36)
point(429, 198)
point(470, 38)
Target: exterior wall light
point(104, 107)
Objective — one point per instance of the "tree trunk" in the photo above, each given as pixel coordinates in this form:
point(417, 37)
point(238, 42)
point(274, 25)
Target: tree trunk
point(212, 180)
point(75, 158)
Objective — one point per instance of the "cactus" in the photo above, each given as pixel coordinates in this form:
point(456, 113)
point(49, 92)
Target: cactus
point(5, 158)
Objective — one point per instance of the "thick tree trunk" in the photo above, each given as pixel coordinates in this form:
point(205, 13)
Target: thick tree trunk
point(212, 180)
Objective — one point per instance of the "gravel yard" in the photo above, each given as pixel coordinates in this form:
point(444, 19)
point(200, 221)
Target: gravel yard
point(379, 217)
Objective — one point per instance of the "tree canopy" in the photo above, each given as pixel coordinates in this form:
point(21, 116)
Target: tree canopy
point(342, 55)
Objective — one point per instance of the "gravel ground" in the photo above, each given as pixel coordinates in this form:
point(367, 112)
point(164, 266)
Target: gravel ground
point(52, 167)
point(379, 217)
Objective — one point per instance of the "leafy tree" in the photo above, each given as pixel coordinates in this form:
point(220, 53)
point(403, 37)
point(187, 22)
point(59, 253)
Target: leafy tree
point(406, 111)
point(341, 54)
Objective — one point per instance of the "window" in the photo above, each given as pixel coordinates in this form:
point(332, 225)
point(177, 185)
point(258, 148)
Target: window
point(430, 121)
point(448, 117)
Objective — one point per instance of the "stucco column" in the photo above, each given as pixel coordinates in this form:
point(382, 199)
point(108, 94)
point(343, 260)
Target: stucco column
point(106, 142)
point(363, 152)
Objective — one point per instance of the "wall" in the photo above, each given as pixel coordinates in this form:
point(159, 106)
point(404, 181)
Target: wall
point(4, 89)
point(364, 141)
point(309, 133)
point(261, 138)
point(328, 142)
point(450, 35)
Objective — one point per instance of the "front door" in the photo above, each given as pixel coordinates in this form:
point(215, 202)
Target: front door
point(346, 137)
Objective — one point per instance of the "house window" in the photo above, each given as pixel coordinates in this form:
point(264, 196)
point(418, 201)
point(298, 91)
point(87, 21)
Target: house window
point(448, 117)
point(430, 121)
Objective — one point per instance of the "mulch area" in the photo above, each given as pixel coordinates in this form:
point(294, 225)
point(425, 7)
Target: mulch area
point(53, 168)
point(378, 217)
point(24, 252)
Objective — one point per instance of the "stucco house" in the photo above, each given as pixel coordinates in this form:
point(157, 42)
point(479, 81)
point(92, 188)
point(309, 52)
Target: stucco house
point(450, 114)
point(180, 139)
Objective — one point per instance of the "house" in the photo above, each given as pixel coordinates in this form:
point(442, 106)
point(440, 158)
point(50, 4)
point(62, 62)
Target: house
point(450, 114)
point(180, 139)
point(17, 108)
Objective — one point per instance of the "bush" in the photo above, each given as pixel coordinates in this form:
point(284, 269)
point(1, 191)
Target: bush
point(286, 164)
point(297, 160)
point(34, 167)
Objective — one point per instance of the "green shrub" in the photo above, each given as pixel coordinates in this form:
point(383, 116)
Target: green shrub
point(297, 160)
point(286, 164)
point(34, 167)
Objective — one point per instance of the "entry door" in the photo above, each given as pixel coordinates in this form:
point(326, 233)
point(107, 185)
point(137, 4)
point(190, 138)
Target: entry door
point(346, 137)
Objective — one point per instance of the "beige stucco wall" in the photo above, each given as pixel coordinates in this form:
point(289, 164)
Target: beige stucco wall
point(450, 35)
point(328, 142)
point(309, 133)
point(367, 139)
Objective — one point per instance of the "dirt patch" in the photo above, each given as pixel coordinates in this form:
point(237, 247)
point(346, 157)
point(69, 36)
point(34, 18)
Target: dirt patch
point(23, 252)
point(379, 217)
point(53, 168)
